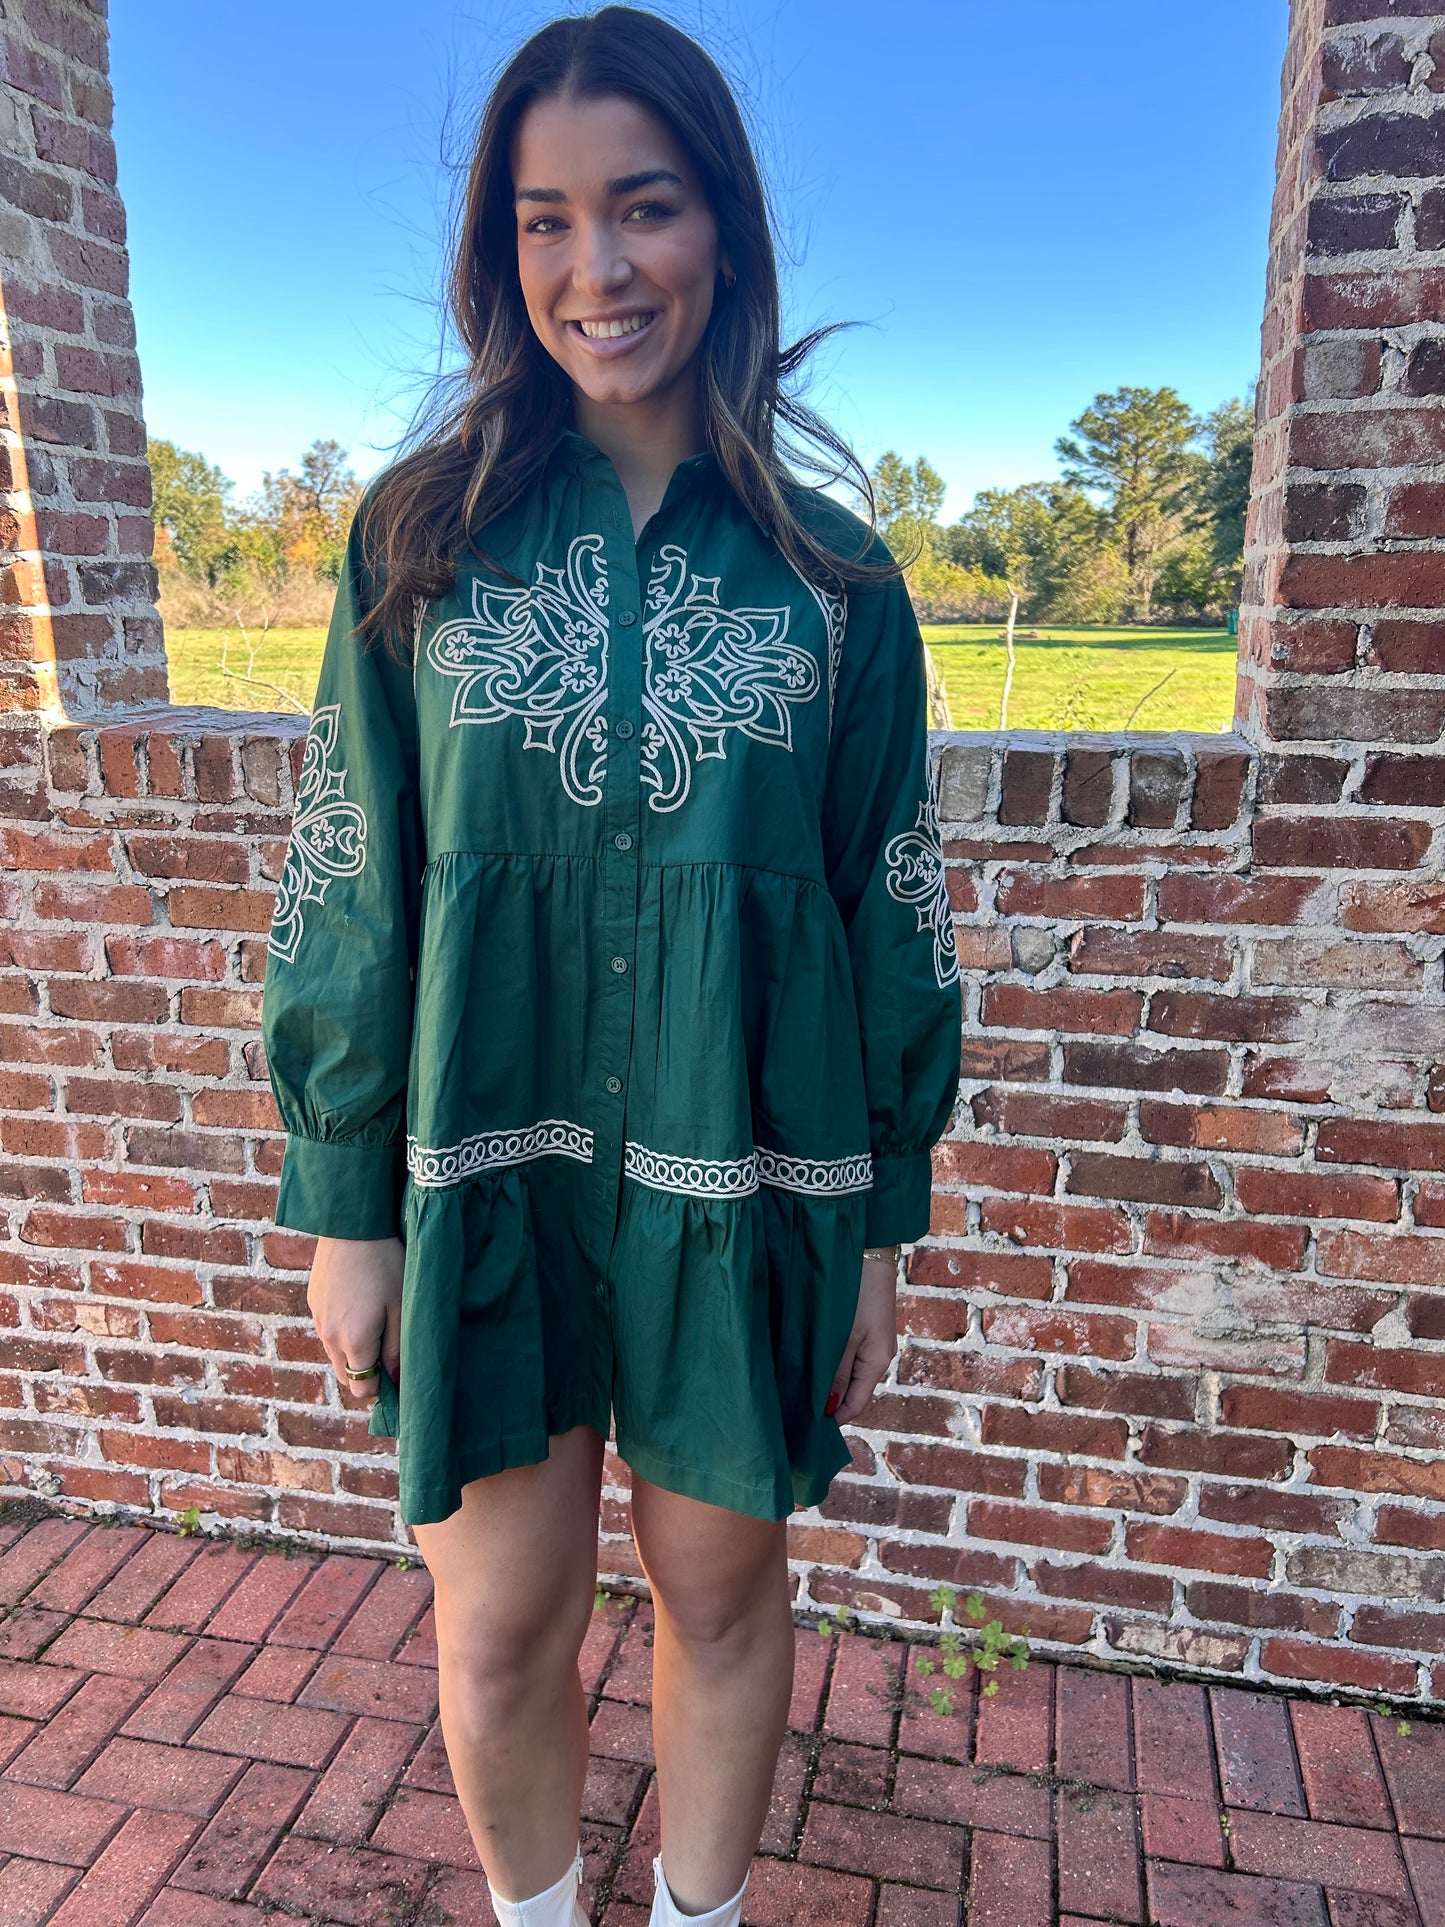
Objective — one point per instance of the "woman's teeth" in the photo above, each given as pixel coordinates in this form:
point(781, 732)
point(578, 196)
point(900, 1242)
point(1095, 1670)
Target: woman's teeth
point(606, 330)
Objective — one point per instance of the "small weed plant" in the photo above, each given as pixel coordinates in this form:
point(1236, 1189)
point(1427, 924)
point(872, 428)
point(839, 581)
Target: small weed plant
point(956, 1655)
point(994, 1644)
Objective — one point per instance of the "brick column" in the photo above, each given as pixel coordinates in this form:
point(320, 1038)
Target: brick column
point(1342, 659)
point(79, 633)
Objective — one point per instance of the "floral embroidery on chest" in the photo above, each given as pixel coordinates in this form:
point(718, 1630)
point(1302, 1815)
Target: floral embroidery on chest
point(328, 834)
point(538, 652)
point(916, 876)
point(707, 670)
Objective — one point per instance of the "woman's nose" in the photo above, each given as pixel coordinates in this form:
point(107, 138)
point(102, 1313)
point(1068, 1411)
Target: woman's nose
point(601, 263)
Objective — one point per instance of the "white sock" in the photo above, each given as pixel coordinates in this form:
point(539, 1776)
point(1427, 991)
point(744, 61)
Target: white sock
point(557, 1907)
point(667, 1913)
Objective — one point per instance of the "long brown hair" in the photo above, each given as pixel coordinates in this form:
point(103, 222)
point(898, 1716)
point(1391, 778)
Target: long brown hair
point(486, 430)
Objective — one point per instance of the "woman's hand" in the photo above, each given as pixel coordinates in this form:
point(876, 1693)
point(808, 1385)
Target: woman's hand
point(872, 1341)
point(355, 1301)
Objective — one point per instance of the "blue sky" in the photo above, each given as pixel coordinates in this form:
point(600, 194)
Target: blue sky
point(1025, 203)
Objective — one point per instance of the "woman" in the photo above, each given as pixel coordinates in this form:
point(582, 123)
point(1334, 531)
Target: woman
point(612, 1006)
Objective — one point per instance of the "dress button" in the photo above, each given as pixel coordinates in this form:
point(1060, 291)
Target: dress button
point(623, 840)
point(614, 1083)
point(626, 619)
point(619, 964)
point(624, 728)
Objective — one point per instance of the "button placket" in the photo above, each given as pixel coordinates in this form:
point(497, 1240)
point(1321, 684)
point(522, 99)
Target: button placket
point(620, 869)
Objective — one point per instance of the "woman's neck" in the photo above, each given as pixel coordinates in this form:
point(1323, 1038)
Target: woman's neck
point(645, 441)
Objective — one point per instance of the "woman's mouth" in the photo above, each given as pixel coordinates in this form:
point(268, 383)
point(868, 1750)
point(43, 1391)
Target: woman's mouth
point(612, 338)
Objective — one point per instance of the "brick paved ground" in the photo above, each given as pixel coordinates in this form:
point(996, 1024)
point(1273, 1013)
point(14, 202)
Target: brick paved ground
point(193, 1734)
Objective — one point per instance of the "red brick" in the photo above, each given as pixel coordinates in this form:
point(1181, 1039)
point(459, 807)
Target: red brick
point(865, 1673)
point(1418, 1372)
point(129, 1872)
point(1415, 1770)
point(265, 1730)
point(1181, 1895)
point(353, 1887)
point(427, 1826)
point(1093, 1728)
point(228, 1854)
point(1303, 1660)
point(1099, 1867)
point(174, 1779)
point(175, 1707)
point(392, 1608)
point(207, 1580)
point(30, 1888)
point(82, 1572)
point(1014, 1725)
point(130, 1652)
point(1036, 1525)
point(1257, 1764)
point(154, 1562)
point(1355, 1857)
point(1247, 1554)
point(353, 1792)
point(53, 1826)
point(33, 1555)
point(854, 1841)
point(1172, 1740)
point(1010, 1882)
point(1180, 1829)
point(70, 1738)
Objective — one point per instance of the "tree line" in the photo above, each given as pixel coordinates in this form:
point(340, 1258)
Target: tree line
point(1145, 520)
point(269, 558)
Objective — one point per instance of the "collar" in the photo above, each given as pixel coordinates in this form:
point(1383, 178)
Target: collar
point(580, 452)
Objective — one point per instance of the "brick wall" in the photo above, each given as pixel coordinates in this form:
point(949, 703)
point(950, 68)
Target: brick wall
point(1171, 1385)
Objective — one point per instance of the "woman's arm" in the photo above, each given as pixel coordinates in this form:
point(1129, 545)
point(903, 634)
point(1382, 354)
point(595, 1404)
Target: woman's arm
point(873, 1339)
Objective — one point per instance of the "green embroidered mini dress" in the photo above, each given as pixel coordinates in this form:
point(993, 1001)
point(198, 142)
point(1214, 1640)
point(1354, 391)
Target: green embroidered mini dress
point(612, 969)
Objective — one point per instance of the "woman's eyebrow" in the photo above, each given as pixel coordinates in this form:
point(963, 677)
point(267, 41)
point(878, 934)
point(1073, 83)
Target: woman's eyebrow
point(623, 184)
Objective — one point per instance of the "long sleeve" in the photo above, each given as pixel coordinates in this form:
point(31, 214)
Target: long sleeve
point(336, 1015)
point(885, 872)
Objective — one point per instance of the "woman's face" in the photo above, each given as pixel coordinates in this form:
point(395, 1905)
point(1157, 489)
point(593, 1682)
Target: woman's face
point(617, 248)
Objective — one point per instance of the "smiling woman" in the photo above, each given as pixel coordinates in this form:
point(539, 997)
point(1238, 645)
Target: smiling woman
point(612, 1005)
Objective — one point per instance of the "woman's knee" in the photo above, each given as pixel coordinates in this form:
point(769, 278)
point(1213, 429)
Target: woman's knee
point(498, 1658)
point(722, 1610)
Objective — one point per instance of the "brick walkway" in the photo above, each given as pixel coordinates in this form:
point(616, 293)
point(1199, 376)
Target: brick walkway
point(197, 1735)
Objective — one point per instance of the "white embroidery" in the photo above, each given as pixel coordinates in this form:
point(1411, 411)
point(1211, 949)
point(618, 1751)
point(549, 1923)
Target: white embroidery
point(835, 618)
point(916, 876)
point(708, 669)
point(740, 1177)
point(829, 1175)
point(538, 652)
point(700, 1177)
point(328, 834)
point(435, 1168)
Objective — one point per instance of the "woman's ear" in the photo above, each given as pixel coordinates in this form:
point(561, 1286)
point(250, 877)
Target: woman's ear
point(725, 268)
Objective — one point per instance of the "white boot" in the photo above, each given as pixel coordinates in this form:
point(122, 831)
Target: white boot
point(667, 1913)
point(557, 1907)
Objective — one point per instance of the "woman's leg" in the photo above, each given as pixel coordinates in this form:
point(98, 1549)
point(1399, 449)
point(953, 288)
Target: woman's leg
point(515, 1572)
point(722, 1664)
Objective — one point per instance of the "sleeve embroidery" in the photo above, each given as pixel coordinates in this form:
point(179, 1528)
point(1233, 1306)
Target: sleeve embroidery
point(916, 876)
point(328, 834)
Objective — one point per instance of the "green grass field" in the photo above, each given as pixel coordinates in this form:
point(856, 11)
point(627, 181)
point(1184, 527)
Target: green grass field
point(1064, 679)
point(1088, 678)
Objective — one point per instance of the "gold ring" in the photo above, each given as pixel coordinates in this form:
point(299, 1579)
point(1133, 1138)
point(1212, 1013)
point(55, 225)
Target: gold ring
point(372, 1371)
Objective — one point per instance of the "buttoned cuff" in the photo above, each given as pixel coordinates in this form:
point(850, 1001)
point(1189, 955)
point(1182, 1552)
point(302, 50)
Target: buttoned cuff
point(901, 1201)
point(341, 1189)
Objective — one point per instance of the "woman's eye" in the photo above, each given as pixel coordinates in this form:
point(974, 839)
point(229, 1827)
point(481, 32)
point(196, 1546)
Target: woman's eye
point(649, 207)
point(538, 224)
